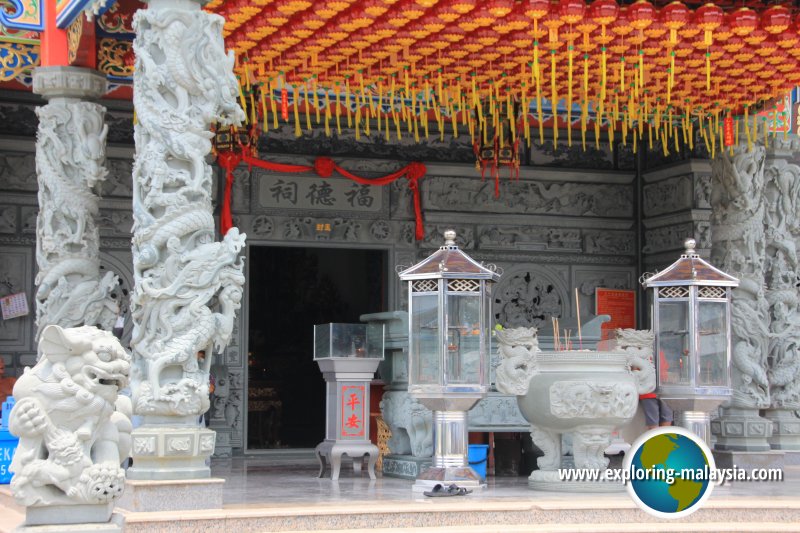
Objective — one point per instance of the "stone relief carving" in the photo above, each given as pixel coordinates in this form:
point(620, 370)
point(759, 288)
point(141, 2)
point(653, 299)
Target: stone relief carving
point(70, 154)
point(529, 238)
point(74, 429)
point(14, 267)
point(8, 219)
point(586, 399)
point(118, 180)
point(702, 191)
point(262, 226)
point(738, 237)
point(667, 237)
point(667, 196)
point(411, 424)
point(433, 235)
point(18, 171)
point(782, 232)
point(518, 346)
point(638, 344)
point(240, 193)
point(178, 268)
point(610, 242)
point(494, 411)
point(524, 197)
point(527, 298)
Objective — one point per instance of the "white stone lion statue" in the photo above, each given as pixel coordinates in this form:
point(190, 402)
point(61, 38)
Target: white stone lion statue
point(73, 427)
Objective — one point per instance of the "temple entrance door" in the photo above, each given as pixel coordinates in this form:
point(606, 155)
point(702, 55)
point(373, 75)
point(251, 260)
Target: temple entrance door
point(291, 289)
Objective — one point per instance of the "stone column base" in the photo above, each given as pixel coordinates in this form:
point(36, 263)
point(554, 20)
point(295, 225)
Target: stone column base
point(171, 452)
point(404, 466)
point(172, 495)
point(741, 430)
point(749, 460)
point(785, 429)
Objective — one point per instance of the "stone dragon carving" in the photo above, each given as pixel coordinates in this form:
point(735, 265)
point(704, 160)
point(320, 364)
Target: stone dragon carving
point(184, 82)
point(73, 427)
point(738, 237)
point(638, 344)
point(518, 346)
point(410, 422)
point(70, 156)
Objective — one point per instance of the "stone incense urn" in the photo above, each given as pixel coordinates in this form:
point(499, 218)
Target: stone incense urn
point(587, 394)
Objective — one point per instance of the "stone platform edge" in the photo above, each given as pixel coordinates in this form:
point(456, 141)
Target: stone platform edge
point(171, 495)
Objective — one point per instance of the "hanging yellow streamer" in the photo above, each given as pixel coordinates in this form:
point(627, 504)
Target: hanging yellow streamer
point(298, 132)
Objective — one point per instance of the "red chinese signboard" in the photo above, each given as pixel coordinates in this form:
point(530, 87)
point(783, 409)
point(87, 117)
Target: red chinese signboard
point(620, 304)
point(353, 410)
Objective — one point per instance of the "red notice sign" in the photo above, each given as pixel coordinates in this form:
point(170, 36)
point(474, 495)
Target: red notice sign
point(620, 304)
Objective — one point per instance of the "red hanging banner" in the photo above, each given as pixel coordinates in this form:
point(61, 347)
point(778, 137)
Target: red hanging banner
point(728, 131)
point(285, 104)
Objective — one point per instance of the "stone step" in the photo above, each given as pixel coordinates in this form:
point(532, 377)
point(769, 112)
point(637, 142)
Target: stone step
point(583, 513)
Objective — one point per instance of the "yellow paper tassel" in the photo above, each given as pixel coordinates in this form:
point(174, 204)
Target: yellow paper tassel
point(316, 99)
point(554, 96)
point(708, 71)
point(357, 121)
point(307, 109)
point(347, 102)
point(327, 114)
point(298, 132)
point(242, 102)
point(338, 114)
point(252, 108)
point(264, 110)
point(379, 110)
point(569, 99)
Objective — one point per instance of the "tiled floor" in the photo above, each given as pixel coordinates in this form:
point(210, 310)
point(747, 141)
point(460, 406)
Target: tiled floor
point(292, 479)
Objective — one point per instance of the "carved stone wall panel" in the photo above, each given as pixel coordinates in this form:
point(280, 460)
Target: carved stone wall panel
point(286, 192)
point(240, 192)
point(528, 197)
point(114, 223)
point(668, 196)
point(465, 236)
point(702, 191)
point(118, 182)
point(563, 155)
point(529, 294)
point(16, 275)
point(9, 219)
point(18, 171)
point(316, 228)
point(667, 237)
point(28, 219)
point(610, 242)
point(525, 237)
point(18, 119)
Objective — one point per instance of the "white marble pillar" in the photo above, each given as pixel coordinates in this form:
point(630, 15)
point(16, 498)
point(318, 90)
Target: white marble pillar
point(70, 164)
point(188, 287)
point(738, 236)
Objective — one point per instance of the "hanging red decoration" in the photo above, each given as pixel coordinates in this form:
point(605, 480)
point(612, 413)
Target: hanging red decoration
point(776, 19)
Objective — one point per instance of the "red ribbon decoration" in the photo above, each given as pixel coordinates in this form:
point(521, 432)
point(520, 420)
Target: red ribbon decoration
point(324, 168)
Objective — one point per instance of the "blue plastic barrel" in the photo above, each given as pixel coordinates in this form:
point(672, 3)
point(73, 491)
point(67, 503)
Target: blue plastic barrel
point(8, 442)
point(478, 456)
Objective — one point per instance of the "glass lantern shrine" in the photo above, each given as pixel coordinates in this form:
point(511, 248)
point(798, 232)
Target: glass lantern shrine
point(347, 355)
point(692, 326)
point(450, 319)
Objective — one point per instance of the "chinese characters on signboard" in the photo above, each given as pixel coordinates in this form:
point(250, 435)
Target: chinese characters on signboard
point(620, 305)
point(353, 411)
point(314, 193)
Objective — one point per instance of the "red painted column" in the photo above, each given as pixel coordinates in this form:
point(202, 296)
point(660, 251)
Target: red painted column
point(54, 48)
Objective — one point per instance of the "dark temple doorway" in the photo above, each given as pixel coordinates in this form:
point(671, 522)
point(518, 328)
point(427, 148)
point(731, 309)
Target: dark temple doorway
point(291, 290)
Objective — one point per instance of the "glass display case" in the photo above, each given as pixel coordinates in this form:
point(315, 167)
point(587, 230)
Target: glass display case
point(348, 340)
point(691, 321)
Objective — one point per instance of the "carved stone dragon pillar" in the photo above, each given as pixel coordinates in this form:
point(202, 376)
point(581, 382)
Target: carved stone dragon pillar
point(737, 228)
point(70, 159)
point(188, 287)
point(782, 191)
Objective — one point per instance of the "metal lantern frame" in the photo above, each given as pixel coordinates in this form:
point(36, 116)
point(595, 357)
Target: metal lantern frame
point(448, 273)
point(692, 282)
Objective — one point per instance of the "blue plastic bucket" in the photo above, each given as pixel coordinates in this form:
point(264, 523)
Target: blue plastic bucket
point(478, 455)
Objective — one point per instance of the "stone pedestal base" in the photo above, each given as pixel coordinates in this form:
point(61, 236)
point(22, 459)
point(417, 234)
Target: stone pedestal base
point(332, 451)
point(785, 429)
point(550, 480)
point(741, 430)
point(404, 466)
point(68, 514)
point(463, 476)
point(180, 495)
point(171, 452)
point(115, 525)
point(749, 460)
